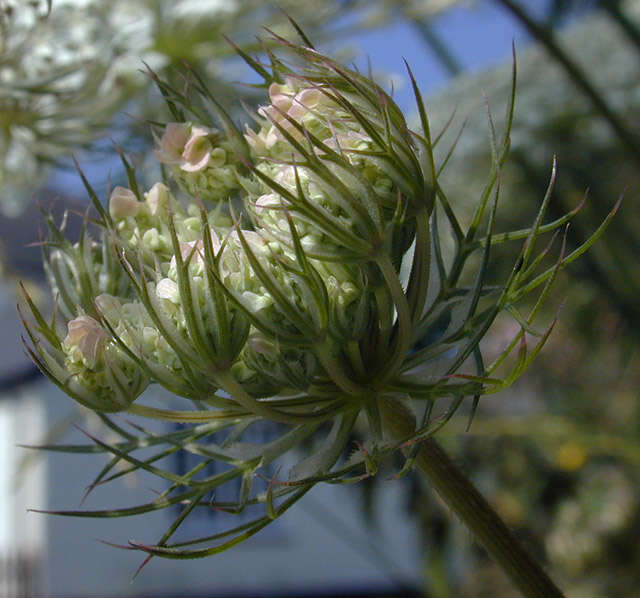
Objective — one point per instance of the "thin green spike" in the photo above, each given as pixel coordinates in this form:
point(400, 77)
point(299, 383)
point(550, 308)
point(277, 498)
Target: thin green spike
point(254, 64)
point(104, 215)
point(131, 172)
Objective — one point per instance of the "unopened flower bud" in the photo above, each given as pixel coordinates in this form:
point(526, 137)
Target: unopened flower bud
point(278, 367)
point(123, 203)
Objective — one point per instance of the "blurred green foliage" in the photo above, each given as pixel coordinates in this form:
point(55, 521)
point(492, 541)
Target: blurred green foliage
point(559, 455)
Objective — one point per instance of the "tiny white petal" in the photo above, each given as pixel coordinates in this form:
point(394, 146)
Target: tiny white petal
point(167, 289)
point(157, 198)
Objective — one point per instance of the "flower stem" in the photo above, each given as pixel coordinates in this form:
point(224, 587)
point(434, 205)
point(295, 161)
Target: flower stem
point(229, 384)
point(402, 340)
point(464, 500)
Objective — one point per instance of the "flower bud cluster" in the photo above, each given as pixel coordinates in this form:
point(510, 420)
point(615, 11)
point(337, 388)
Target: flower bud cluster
point(98, 373)
point(152, 350)
point(299, 112)
point(201, 160)
point(144, 225)
point(291, 102)
point(264, 367)
point(78, 272)
point(273, 301)
point(314, 289)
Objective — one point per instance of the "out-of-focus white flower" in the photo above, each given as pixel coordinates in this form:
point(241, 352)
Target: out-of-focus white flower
point(65, 72)
point(194, 9)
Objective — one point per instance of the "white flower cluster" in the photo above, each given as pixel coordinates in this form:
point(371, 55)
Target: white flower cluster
point(98, 372)
point(267, 302)
point(65, 73)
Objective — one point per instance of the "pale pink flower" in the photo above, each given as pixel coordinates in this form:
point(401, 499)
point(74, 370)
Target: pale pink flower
point(305, 101)
point(86, 336)
point(172, 143)
point(197, 150)
point(195, 249)
point(280, 96)
point(157, 198)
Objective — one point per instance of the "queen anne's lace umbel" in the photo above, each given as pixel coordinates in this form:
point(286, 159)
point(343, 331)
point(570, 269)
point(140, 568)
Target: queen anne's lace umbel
point(309, 270)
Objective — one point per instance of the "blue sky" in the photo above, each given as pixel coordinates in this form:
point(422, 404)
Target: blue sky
point(478, 38)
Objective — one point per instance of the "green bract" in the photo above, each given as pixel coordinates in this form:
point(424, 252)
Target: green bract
point(311, 272)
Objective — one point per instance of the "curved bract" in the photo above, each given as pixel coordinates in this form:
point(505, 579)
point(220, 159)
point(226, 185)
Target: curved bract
point(308, 270)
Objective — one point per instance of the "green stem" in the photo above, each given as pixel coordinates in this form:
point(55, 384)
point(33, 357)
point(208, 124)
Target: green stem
point(466, 502)
point(229, 384)
point(174, 415)
point(403, 333)
point(335, 370)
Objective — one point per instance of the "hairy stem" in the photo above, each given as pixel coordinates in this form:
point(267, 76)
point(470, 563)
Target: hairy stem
point(466, 502)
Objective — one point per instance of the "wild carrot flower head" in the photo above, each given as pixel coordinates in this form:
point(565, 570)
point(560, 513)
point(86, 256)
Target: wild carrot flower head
point(308, 270)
